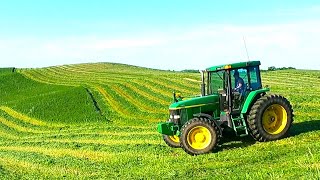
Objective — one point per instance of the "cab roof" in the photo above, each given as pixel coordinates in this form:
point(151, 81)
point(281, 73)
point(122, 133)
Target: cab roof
point(234, 66)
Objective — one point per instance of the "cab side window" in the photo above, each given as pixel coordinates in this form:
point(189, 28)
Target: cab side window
point(216, 82)
point(255, 81)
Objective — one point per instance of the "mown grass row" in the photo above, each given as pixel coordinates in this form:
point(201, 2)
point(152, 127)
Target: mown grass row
point(125, 160)
point(75, 76)
point(35, 153)
point(119, 76)
point(20, 127)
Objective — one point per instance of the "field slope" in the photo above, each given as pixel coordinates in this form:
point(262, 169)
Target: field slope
point(99, 121)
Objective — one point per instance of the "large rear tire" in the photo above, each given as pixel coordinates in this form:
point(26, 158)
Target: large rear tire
point(199, 136)
point(270, 118)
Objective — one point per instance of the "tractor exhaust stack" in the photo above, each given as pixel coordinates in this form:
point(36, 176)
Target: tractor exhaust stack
point(203, 85)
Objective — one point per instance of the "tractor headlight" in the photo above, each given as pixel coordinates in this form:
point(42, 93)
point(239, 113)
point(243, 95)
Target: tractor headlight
point(175, 116)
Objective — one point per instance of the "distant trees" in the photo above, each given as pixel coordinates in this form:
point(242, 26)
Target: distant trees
point(273, 68)
point(190, 71)
point(7, 70)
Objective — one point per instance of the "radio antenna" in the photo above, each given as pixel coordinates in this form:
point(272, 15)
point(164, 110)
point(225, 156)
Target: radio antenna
point(245, 46)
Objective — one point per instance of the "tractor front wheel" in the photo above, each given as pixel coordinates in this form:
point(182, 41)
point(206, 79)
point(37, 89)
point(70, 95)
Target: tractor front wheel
point(172, 141)
point(199, 136)
point(270, 118)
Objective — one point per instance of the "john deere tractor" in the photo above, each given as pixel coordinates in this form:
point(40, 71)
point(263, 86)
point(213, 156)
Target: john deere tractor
point(232, 101)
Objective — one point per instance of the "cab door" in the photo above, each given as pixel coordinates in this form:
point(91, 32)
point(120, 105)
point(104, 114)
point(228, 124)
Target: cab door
point(239, 79)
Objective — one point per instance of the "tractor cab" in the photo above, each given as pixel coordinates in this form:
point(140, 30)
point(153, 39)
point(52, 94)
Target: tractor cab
point(232, 83)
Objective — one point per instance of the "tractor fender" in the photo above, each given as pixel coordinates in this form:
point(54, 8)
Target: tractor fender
point(210, 118)
point(202, 115)
point(251, 98)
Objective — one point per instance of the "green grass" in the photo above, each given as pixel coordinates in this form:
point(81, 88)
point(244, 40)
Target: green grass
point(99, 120)
point(52, 103)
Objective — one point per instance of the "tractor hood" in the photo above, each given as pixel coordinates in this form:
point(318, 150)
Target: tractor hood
point(195, 102)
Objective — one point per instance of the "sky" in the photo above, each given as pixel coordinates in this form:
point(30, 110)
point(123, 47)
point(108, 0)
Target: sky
point(161, 34)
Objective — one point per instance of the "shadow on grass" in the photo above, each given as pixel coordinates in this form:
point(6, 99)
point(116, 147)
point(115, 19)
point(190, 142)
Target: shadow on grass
point(304, 127)
point(231, 141)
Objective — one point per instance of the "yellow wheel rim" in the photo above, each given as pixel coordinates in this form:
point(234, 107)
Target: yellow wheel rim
point(174, 138)
point(199, 137)
point(274, 119)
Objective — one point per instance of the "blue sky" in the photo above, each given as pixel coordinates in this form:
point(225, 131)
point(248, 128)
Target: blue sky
point(160, 34)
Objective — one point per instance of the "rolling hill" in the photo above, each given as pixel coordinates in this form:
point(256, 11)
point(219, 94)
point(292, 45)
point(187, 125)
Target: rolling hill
point(99, 121)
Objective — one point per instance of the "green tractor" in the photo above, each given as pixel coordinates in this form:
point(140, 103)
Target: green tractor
point(232, 100)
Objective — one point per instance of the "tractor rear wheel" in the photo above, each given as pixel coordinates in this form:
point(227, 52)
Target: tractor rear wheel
point(172, 141)
point(270, 118)
point(199, 136)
